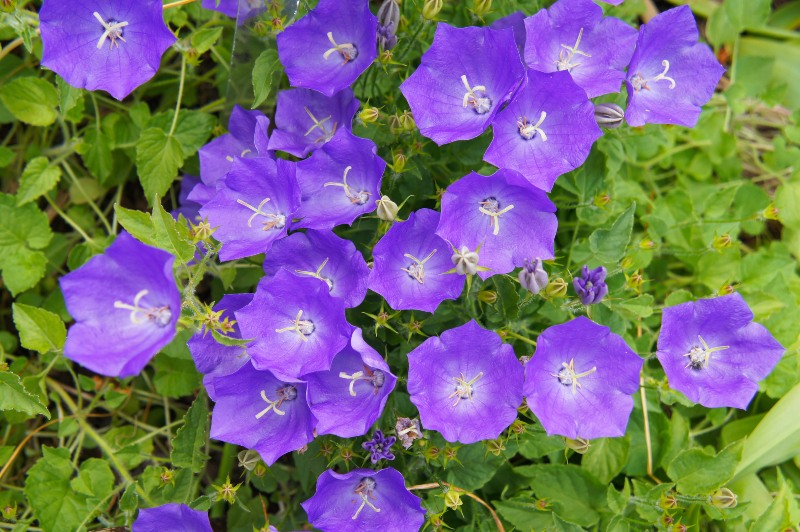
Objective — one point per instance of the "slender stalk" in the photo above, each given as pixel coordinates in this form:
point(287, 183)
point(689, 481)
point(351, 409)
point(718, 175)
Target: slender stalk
point(648, 443)
point(70, 221)
point(180, 95)
point(433, 485)
point(178, 3)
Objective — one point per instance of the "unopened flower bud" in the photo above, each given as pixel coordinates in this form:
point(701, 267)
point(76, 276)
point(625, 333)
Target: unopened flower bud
point(10, 511)
point(580, 445)
point(609, 115)
point(407, 121)
point(556, 288)
point(668, 501)
point(722, 241)
point(431, 8)
point(431, 453)
point(726, 289)
point(602, 199)
point(167, 476)
point(248, 459)
point(260, 469)
point(466, 261)
point(724, 498)
point(369, 115)
point(385, 57)
point(452, 499)
point(532, 276)
point(387, 209)
point(388, 24)
point(496, 447)
point(395, 126)
point(481, 8)
point(646, 243)
point(771, 212)
point(398, 162)
point(487, 296)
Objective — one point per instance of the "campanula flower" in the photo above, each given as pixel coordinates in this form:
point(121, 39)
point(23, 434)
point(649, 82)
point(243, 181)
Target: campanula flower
point(324, 256)
point(110, 45)
point(409, 265)
point(591, 285)
point(580, 379)
point(330, 47)
point(305, 120)
point(379, 447)
point(532, 276)
point(259, 411)
point(187, 207)
point(464, 78)
point(714, 353)
point(126, 307)
point(466, 383)
point(506, 216)
point(173, 517)
point(349, 397)
point(547, 130)
point(253, 207)
point(364, 499)
point(515, 21)
point(296, 325)
point(671, 75)
point(573, 35)
point(339, 182)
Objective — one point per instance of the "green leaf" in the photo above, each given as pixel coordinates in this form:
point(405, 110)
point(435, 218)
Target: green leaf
point(97, 154)
point(783, 513)
point(60, 502)
point(560, 525)
point(476, 467)
point(14, 396)
point(7, 156)
point(775, 439)
point(39, 330)
point(38, 178)
point(571, 490)
point(192, 130)
point(191, 437)
point(158, 158)
point(640, 306)
point(609, 245)
point(700, 472)
point(265, 74)
point(159, 230)
point(733, 16)
point(23, 269)
point(204, 39)
point(69, 98)
point(787, 200)
point(606, 457)
point(175, 377)
point(523, 513)
point(30, 100)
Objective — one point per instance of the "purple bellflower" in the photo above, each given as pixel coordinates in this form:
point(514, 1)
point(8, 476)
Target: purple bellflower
point(330, 47)
point(305, 120)
point(591, 285)
point(714, 353)
point(503, 214)
point(349, 397)
point(339, 182)
point(127, 294)
point(532, 276)
point(515, 21)
point(580, 380)
point(574, 36)
point(211, 357)
point(259, 411)
point(466, 383)
point(190, 209)
point(410, 262)
point(364, 499)
point(253, 207)
point(296, 325)
point(111, 45)
point(671, 75)
point(547, 130)
point(247, 137)
point(465, 77)
point(173, 517)
point(324, 256)
point(379, 447)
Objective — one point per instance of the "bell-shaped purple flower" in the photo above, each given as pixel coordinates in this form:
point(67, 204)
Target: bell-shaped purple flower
point(253, 207)
point(515, 21)
point(580, 380)
point(532, 276)
point(296, 325)
point(591, 285)
point(173, 517)
point(187, 207)
point(574, 36)
point(126, 307)
point(465, 77)
point(714, 353)
point(324, 256)
point(349, 397)
point(547, 130)
point(339, 182)
point(257, 410)
point(466, 383)
point(506, 216)
point(379, 447)
point(410, 262)
point(213, 358)
point(671, 75)
point(247, 137)
point(330, 47)
point(110, 45)
point(305, 120)
point(364, 499)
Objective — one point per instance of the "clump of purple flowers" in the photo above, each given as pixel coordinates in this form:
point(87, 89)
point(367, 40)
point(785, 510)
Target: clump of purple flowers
point(379, 447)
point(591, 285)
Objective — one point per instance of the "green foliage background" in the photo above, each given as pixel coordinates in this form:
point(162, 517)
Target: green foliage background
point(673, 213)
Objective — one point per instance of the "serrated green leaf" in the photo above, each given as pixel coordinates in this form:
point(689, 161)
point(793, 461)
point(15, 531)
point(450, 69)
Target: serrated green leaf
point(94, 479)
point(192, 130)
point(609, 245)
point(97, 155)
point(175, 377)
point(265, 72)
point(571, 491)
point(38, 178)
point(172, 236)
point(23, 269)
point(30, 100)
point(523, 514)
point(39, 330)
point(699, 472)
point(137, 223)
point(606, 457)
point(158, 158)
point(14, 396)
point(640, 306)
point(190, 439)
point(783, 513)
point(733, 16)
point(204, 39)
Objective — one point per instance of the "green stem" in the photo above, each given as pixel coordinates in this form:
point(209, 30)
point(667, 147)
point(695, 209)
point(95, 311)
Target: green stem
point(180, 96)
point(72, 224)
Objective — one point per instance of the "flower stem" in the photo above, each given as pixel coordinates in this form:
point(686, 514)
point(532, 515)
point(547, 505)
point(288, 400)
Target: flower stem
point(472, 496)
point(180, 96)
point(647, 441)
point(178, 3)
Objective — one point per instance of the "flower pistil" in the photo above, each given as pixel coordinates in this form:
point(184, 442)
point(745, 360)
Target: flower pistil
point(356, 198)
point(287, 393)
point(416, 269)
point(700, 356)
point(464, 388)
point(476, 97)
point(527, 130)
point(113, 31)
point(567, 376)
point(364, 489)
point(347, 50)
point(160, 315)
point(303, 328)
point(565, 56)
point(491, 207)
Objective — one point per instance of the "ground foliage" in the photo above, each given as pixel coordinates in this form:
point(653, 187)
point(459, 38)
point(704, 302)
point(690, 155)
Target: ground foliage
point(673, 213)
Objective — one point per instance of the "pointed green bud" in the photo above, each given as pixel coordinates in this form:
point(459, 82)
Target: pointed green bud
point(556, 288)
point(431, 8)
point(724, 498)
point(387, 209)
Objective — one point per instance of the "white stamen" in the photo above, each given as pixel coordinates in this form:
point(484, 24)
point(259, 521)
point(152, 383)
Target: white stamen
point(256, 210)
point(700, 357)
point(356, 198)
point(527, 130)
point(664, 76)
point(417, 270)
point(303, 328)
point(347, 50)
point(139, 314)
point(565, 63)
point(326, 136)
point(273, 405)
point(464, 388)
point(494, 214)
point(568, 377)
point(318, 274)
point(353, 378)
point(112, 32)
point(479, 104)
